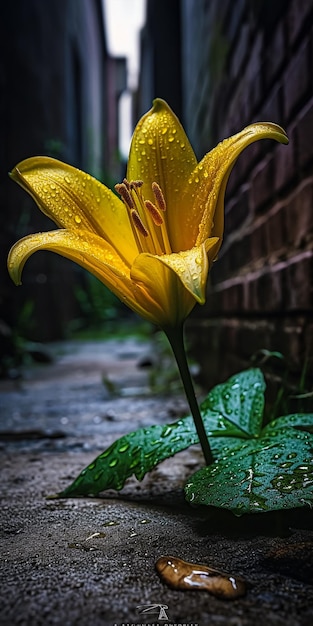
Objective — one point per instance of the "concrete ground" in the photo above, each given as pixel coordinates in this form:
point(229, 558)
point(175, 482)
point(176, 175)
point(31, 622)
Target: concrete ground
point(91, 561)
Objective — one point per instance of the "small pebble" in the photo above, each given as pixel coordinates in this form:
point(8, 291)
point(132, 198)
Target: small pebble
point(182, 575)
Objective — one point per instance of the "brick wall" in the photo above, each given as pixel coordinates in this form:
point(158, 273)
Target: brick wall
point(249, 61)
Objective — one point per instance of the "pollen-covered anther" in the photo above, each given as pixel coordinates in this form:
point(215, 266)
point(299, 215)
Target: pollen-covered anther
point(154, 212)
point(139, 223)
point(158, 194)
point(125, 195)
point(135, 184)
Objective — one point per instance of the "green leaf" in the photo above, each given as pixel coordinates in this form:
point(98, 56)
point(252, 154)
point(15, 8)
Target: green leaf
point(136, 453)
point(270, 473)
point(240, 400)
point(302, 421)
point(140, 451)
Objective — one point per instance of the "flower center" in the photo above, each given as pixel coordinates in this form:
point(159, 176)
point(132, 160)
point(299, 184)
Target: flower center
point(147, 218)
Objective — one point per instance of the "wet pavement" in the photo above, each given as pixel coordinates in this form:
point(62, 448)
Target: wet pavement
point(92, 560)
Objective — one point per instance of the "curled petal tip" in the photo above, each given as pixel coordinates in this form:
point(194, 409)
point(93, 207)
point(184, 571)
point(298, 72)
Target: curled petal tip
point(159, 104)
point(271, 130)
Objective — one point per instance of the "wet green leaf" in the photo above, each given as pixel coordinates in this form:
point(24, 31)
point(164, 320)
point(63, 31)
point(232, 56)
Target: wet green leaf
point(138, 452)
point(240, 400)
point(272, 472)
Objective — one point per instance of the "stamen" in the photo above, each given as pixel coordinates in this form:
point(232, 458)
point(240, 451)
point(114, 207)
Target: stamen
point(158, 194)
point(154, 212)
point(124, 193)
point(135, 184)
point(138, 223)
point(126, 183)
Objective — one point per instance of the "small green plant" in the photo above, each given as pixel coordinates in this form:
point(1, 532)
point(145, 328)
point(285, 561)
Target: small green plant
point(256, 468)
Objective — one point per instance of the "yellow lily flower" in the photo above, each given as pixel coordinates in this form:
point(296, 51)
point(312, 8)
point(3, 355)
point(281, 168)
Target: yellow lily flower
point(152, 246)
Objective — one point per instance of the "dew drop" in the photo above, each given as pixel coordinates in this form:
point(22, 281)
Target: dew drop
point(113, 463)
point(77, 219)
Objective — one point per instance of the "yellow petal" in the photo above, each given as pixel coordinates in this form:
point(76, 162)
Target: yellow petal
point(77, 201)
point(192, 266)
point(94, 255)
point(202, 206)
point(160, 152)
point(161, 290)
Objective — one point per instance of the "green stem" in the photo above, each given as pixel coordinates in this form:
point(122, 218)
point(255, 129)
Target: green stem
point(176, 339)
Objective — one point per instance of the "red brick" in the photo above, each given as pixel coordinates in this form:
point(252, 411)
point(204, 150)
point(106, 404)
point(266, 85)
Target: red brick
point(300, 283)
point(250, 302)
point(276, 231)
point(270, 289)
point(297, 80)
point(299, 216)
point(232, 298)
point(237, 211)
point(262, 184)
point(304, 136)
point(285, 163)
point(258, 242)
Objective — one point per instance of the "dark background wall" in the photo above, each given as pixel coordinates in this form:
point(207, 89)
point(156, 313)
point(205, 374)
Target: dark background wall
point(261, 292)
point(242, 62)
point(59, 90)
point(221, 66)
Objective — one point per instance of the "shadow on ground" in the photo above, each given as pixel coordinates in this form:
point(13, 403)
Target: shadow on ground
point(91, 560)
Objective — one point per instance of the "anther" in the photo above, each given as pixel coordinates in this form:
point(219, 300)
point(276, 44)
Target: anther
point(125, 195)
point(154, 212)
point(138, 223)
point(136, 184)
point(126, 183)
point(158, 194)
